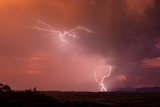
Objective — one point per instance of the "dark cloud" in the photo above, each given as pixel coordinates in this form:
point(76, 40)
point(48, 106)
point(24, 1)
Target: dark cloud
point(127, 31)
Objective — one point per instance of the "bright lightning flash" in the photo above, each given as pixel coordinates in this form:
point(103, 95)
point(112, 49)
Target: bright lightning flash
point(61, 35)
point(107, 69)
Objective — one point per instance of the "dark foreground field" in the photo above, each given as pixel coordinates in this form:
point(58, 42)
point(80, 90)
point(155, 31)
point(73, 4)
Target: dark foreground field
point(79, 99)
point(107, 99)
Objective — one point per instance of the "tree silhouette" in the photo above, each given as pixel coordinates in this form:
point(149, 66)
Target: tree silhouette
point(1, 87)
point(5, 88)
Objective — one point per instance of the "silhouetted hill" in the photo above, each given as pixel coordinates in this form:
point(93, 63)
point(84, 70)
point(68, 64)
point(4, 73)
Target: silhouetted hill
point(155, 89)
point(124, 89)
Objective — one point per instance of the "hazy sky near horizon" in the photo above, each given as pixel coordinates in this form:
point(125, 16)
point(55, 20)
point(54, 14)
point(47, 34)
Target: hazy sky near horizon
point(127, 37)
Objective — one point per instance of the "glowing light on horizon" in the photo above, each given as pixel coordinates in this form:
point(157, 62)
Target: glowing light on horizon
point(108, 70)
point(61, 35)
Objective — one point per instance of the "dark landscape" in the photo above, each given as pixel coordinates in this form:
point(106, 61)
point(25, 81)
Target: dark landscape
point(34, 98)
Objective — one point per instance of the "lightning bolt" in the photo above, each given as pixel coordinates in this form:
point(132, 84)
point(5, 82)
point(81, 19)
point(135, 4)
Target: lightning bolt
point(101, 82)
point(41, 26)
point(61, 35)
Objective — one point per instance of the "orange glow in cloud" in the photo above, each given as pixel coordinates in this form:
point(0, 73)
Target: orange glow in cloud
point(153, 62)
point(36, 62)
point(121, 77)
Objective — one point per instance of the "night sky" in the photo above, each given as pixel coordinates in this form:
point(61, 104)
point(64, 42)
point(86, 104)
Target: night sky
point(127, 37)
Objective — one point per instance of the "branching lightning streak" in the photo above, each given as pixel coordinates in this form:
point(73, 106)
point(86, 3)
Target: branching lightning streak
point(73, 34)
point(61, 35)
point(101, 82)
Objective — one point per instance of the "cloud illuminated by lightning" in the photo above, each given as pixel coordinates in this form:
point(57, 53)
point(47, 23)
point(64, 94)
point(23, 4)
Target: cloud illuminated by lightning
point(108, 71)
point(41, 26)
point(61, 35)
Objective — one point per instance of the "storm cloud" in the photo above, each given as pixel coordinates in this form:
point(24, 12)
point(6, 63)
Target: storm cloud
point(126, 35)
